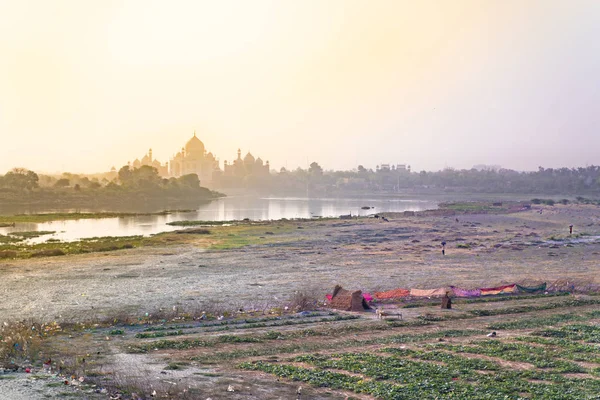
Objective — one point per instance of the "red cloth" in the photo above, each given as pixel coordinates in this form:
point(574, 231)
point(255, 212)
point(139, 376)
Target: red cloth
point(499, 290)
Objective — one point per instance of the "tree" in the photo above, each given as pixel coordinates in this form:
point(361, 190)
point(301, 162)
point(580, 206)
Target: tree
point(315, 169)
point(21, 178)
point(190, 180)
point(62, 182)
point(125, 174)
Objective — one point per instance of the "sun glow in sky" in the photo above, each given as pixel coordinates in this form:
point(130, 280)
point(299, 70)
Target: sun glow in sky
point(85, 85)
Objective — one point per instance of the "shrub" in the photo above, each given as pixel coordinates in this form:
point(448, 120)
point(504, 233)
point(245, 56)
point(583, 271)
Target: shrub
point(8, 254)
point(48, 253)
point(303, 301)
point(198, 231)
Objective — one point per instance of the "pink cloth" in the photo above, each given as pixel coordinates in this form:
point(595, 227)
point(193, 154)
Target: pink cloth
point(367, 296)
point(459, 292)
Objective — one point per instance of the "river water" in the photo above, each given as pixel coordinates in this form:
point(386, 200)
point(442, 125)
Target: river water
point(223, 209)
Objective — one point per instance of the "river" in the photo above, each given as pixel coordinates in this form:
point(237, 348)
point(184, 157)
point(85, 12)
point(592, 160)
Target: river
point(223, 209)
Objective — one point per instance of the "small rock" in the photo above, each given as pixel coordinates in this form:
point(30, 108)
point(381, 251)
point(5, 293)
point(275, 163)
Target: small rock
point(230, 388)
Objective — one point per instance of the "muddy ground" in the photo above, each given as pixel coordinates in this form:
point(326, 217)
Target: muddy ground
point(314, 256)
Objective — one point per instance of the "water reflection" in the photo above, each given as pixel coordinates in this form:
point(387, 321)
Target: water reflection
point(224, 209)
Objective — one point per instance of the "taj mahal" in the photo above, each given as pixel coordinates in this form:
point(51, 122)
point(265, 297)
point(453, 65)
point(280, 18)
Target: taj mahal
point(193, 158)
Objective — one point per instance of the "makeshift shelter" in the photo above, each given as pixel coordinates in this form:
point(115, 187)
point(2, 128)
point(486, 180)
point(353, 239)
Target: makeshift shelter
point(347, 300)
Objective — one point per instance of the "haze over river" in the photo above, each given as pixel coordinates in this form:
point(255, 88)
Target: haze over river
point(223, 209)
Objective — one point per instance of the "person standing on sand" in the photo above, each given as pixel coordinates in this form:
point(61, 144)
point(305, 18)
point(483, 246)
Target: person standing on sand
point(443, 248)
point(570, 229)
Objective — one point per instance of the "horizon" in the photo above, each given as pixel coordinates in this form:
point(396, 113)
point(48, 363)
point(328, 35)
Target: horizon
point(433, 85)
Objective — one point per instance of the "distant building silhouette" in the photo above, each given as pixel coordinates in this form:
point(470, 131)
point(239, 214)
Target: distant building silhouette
point(194, 159)
point(163, 170)
point(246, 166)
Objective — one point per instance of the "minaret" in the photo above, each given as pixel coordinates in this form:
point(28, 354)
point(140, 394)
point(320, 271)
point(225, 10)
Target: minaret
point(239, 154)
point(150, 155)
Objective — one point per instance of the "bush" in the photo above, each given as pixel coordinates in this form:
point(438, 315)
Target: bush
point(48, 253)
point(302, 301)
point(198, 231)
point(8, 254)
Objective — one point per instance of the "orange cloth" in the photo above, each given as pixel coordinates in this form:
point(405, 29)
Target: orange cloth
point(428, 292)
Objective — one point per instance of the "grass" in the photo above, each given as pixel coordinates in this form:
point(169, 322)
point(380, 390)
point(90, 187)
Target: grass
point(31, 234)
point(219, 238)
point(473, 207)
point(536, 322)
point(83, 246)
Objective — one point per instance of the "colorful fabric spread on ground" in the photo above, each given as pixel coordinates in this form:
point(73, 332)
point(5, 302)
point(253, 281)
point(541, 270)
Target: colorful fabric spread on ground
point(499, 290)
point(459, 292)
point(392, 294)
point(428, 292)
point(367, 296)
point(532, 289)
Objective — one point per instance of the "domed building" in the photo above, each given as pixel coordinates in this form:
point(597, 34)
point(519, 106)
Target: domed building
point(194, 159)
point(246, 166)
point(163, 170)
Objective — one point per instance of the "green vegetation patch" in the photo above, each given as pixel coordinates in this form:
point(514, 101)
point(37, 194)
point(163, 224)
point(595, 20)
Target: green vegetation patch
point(31, 234)
point(525, 309)
point(586, 333)
point(88, 245)
point(540, 357)
point(392, 378)
point(536, 322)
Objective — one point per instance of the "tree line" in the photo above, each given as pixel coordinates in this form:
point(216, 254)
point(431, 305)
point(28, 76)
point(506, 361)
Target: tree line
point(134, 186)
point(584, 180)
point(560, 181)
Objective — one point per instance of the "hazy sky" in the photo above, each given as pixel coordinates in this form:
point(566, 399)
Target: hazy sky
point(85, 85)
